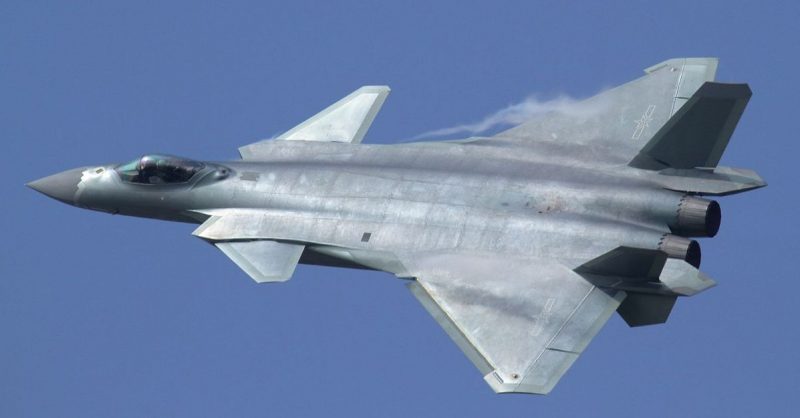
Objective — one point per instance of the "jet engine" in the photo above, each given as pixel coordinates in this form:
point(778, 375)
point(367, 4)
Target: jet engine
point(697, 217)
point(681, 248)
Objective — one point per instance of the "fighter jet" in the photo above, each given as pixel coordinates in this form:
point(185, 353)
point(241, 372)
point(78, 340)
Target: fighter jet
point(521, 245)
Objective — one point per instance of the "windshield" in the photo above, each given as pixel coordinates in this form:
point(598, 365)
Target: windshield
point(159, 169)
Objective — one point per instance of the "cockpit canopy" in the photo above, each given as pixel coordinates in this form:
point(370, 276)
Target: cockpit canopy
point(159, 169)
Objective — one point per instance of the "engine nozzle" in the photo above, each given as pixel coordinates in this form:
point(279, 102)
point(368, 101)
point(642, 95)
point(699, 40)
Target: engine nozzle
point(681, 248)
point(697, 217)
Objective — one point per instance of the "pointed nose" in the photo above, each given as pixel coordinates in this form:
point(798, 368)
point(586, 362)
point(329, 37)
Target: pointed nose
point(61, 186)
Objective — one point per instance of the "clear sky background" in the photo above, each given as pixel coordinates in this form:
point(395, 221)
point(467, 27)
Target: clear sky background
point(107, 316)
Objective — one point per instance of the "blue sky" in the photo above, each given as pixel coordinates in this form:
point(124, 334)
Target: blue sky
point(110, 316)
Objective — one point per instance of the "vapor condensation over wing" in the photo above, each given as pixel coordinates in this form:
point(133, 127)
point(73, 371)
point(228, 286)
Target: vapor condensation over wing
point(512, 114)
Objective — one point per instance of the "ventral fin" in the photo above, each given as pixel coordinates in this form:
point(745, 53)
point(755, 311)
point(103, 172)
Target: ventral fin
point(264, 260)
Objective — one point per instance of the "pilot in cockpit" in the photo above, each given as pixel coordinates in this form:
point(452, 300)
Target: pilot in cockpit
point(159, 169)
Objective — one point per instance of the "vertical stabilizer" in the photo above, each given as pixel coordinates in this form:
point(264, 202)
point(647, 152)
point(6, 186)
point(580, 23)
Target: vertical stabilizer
point(696, 136)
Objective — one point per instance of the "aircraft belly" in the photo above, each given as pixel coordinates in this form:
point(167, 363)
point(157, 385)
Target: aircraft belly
point(396, 195)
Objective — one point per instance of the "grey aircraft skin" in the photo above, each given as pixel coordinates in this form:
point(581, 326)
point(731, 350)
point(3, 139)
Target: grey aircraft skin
point(521, 245)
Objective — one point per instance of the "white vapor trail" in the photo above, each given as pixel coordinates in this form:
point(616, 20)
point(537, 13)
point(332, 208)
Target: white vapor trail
point(513, 114)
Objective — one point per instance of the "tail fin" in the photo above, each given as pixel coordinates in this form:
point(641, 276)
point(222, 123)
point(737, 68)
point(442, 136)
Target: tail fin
point(651, 280)
point(640, 309)
point(697, 134)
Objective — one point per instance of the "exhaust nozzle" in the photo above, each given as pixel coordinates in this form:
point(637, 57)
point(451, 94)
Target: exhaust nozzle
point(681, 248)
point(697, 217)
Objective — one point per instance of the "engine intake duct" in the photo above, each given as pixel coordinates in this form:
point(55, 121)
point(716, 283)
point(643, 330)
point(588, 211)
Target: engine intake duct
point(697, 217)
point(681, 248)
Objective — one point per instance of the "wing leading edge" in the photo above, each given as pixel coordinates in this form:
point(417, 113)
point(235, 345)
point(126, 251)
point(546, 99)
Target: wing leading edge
point(524, 321)
point(344, 121)
point(521, 322)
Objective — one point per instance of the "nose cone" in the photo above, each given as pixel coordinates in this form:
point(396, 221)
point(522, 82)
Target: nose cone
point(61, 186)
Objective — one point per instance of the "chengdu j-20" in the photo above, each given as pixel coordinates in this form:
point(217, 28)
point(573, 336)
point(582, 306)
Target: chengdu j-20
point(521, 245)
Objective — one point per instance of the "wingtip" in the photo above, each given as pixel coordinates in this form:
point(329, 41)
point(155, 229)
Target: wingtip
point(375, 89)
point(711, 62)
point(501, 387)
